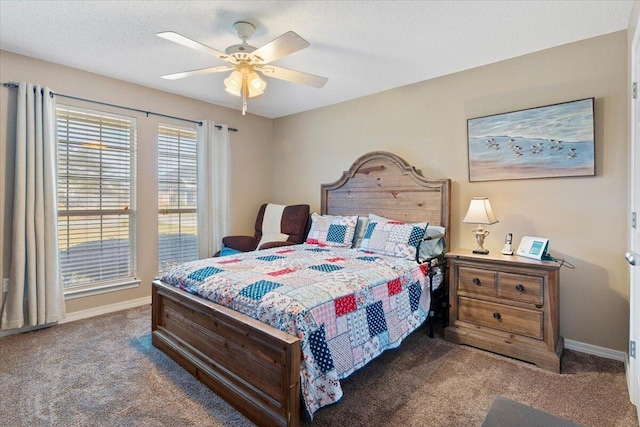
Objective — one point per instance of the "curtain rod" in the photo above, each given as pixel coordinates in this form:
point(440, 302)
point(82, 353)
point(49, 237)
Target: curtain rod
point(199, 123)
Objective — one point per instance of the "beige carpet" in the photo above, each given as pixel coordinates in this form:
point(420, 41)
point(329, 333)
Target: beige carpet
point(104, 372)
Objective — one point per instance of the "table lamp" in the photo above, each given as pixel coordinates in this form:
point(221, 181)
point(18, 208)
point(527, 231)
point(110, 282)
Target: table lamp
point(480, 213)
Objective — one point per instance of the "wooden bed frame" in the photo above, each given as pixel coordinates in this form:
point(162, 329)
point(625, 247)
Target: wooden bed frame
point(253, 366)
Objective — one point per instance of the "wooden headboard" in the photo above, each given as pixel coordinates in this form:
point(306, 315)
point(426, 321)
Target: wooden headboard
point(385, 184)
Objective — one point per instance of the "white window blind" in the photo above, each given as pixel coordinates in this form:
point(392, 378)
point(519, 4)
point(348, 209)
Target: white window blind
point(177, 196)
point(96, 210)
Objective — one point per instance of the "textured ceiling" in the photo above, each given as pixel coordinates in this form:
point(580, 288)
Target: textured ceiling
point(362, 47)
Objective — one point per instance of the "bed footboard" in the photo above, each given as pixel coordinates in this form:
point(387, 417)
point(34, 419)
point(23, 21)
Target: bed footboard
point(252, 366)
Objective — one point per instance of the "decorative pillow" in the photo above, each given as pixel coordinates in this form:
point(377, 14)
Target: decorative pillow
point(332, 230)
point(272, 237)
point(271, 225)
point(394, 238)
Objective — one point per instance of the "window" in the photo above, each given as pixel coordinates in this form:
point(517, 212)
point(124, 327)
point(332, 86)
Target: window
point(177, 196)
point(96, 198)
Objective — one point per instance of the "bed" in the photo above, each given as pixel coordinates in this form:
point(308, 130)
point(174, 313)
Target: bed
point(266, 371)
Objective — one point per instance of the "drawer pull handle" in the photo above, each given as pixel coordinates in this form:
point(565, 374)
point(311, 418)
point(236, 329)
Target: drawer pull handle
point(476, 281)
point(519, 287)
point(497, 316)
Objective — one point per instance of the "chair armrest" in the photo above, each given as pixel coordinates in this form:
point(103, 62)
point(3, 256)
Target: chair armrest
point(270, 245)
point(240, 243)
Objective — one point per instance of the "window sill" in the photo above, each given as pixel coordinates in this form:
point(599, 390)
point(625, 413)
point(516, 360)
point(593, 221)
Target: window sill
point(81, 292)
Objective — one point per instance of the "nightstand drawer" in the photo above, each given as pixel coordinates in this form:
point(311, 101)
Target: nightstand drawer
point(477, 281)
point(497, 316)
point(520, 287)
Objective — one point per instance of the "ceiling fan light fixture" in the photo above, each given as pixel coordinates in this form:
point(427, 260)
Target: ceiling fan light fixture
point(238, 79)
point(243, 60)
point(244, 82)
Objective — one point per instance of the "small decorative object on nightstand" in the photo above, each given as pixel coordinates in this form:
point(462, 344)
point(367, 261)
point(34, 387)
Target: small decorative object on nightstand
point(507, 305)
point(480, 213)
point(508, 249)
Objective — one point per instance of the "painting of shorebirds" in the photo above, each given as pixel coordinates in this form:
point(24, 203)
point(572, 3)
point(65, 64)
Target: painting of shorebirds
point(543, 142)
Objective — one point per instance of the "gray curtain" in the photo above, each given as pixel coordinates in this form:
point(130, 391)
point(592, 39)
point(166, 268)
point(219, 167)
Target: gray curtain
point(35, 295)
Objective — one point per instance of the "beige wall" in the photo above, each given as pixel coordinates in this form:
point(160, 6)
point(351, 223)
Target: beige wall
point(251, 186)
point(425, 123)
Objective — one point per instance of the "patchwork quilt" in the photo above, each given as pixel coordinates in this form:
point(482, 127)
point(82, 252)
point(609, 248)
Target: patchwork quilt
point(346, 306)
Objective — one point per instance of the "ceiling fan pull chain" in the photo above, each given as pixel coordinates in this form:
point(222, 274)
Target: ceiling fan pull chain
point(245, 89)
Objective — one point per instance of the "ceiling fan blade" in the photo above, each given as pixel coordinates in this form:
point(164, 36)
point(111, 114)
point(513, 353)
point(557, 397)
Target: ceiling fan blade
point(183, 74)
point(293, 76)
point(187, 42)
point(282, 46)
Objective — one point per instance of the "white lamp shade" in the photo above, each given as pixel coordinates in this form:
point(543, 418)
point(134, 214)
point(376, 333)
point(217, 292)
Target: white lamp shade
point(256, 84)
point(233, 83)
point(480, 212)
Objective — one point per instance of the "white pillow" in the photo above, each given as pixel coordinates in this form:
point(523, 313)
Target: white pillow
point(271, 225)
point(272, 237)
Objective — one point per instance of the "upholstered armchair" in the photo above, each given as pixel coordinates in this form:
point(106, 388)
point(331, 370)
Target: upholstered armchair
point(276, 225)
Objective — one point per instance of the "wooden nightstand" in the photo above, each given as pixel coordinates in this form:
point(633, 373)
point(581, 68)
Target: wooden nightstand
point(507, 305)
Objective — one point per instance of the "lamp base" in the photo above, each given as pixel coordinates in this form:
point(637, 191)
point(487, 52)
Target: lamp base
point(480, 233)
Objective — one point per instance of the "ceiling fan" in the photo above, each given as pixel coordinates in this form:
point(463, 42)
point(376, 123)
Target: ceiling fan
point(245, 60)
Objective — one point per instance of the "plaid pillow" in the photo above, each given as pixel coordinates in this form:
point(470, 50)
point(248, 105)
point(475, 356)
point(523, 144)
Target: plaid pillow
point(332, 230)
point(394, 238)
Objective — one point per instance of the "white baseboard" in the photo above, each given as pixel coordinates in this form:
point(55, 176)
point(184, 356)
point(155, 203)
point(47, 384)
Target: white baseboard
point(595, 350)
point(105, 309)
point(85, 314)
